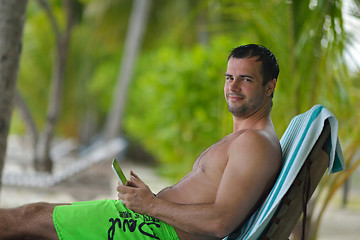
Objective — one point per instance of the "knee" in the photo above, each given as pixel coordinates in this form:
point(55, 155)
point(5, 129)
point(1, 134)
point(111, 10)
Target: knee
point(37, 221)
point(35, 210)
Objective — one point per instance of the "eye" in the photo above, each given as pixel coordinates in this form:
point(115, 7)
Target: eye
point(247, 80)
point(229, 78)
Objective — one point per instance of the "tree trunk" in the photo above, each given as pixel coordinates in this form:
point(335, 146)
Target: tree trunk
point(202, 32)
point(25, 114)
point(43, 161)
point(137, 23)
point(12, 18)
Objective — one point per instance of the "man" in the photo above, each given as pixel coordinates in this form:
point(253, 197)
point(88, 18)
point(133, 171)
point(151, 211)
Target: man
point(228, 180)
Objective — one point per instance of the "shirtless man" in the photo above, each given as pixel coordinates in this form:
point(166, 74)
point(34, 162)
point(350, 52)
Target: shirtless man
point(228, 181)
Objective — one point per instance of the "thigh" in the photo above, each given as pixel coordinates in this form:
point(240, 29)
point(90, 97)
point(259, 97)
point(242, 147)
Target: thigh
point(106, 219)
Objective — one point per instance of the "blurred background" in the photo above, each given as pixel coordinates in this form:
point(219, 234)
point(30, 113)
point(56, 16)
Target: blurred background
point(151, 73)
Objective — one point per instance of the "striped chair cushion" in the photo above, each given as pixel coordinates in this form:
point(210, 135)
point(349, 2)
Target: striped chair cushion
point(297, 142)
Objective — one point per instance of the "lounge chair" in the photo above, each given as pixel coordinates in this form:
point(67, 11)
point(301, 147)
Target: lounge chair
point(310, 145)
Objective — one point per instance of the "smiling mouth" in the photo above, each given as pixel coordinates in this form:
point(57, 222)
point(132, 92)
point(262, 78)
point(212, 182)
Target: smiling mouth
point(235, 97)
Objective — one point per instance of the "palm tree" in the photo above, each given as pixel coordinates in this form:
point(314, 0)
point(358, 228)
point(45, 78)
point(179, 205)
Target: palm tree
point(134, 37)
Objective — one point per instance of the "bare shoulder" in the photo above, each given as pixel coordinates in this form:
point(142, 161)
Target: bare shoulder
point(254, 159)
point(257, 147)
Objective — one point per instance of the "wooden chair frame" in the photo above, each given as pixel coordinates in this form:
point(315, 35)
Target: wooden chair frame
point(295, 200)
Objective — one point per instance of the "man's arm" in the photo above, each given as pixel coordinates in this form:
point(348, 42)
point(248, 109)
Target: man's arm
point(252, 164)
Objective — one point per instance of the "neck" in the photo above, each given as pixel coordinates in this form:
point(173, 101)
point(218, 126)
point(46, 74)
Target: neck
point(261, 119)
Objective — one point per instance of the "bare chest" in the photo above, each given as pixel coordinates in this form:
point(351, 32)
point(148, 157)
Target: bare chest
point(214, 159)
point(201, 184)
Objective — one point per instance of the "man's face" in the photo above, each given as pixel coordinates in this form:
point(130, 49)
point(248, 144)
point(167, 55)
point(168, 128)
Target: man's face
point(244, 90)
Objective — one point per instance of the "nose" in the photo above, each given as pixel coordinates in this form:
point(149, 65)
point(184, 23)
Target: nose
point(235, 85)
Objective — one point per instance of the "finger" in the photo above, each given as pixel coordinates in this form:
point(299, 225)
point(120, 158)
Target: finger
point(136, 182)
point(122, 194)
point(133, 174)
point(123, 189)
point(123, 201)
point(119, 187)
point(129, 183)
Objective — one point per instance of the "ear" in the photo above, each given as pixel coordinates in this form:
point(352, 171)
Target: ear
point(270, 87)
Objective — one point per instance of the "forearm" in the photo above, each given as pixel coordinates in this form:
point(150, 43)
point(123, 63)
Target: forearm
point(205, 219)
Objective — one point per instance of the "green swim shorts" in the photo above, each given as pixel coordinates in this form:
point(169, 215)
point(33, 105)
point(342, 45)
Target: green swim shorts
point(107, 219)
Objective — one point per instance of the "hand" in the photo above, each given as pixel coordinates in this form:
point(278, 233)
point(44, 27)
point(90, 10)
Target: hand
point(136, 195)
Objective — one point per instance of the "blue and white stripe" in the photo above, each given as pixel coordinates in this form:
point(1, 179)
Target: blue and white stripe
point(296, 143)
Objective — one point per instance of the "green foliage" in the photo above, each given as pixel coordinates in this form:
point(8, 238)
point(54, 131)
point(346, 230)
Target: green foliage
point(36, 62)
point(90, 74)
point(176, 105)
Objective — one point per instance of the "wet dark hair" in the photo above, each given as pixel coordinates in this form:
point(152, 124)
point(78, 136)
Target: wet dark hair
point(270, 67)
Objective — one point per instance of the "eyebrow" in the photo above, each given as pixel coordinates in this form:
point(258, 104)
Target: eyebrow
point(240, 76)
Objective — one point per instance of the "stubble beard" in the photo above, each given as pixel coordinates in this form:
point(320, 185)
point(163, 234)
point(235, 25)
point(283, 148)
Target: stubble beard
point(237, 111)
point(245, 108)
point(234, 109)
